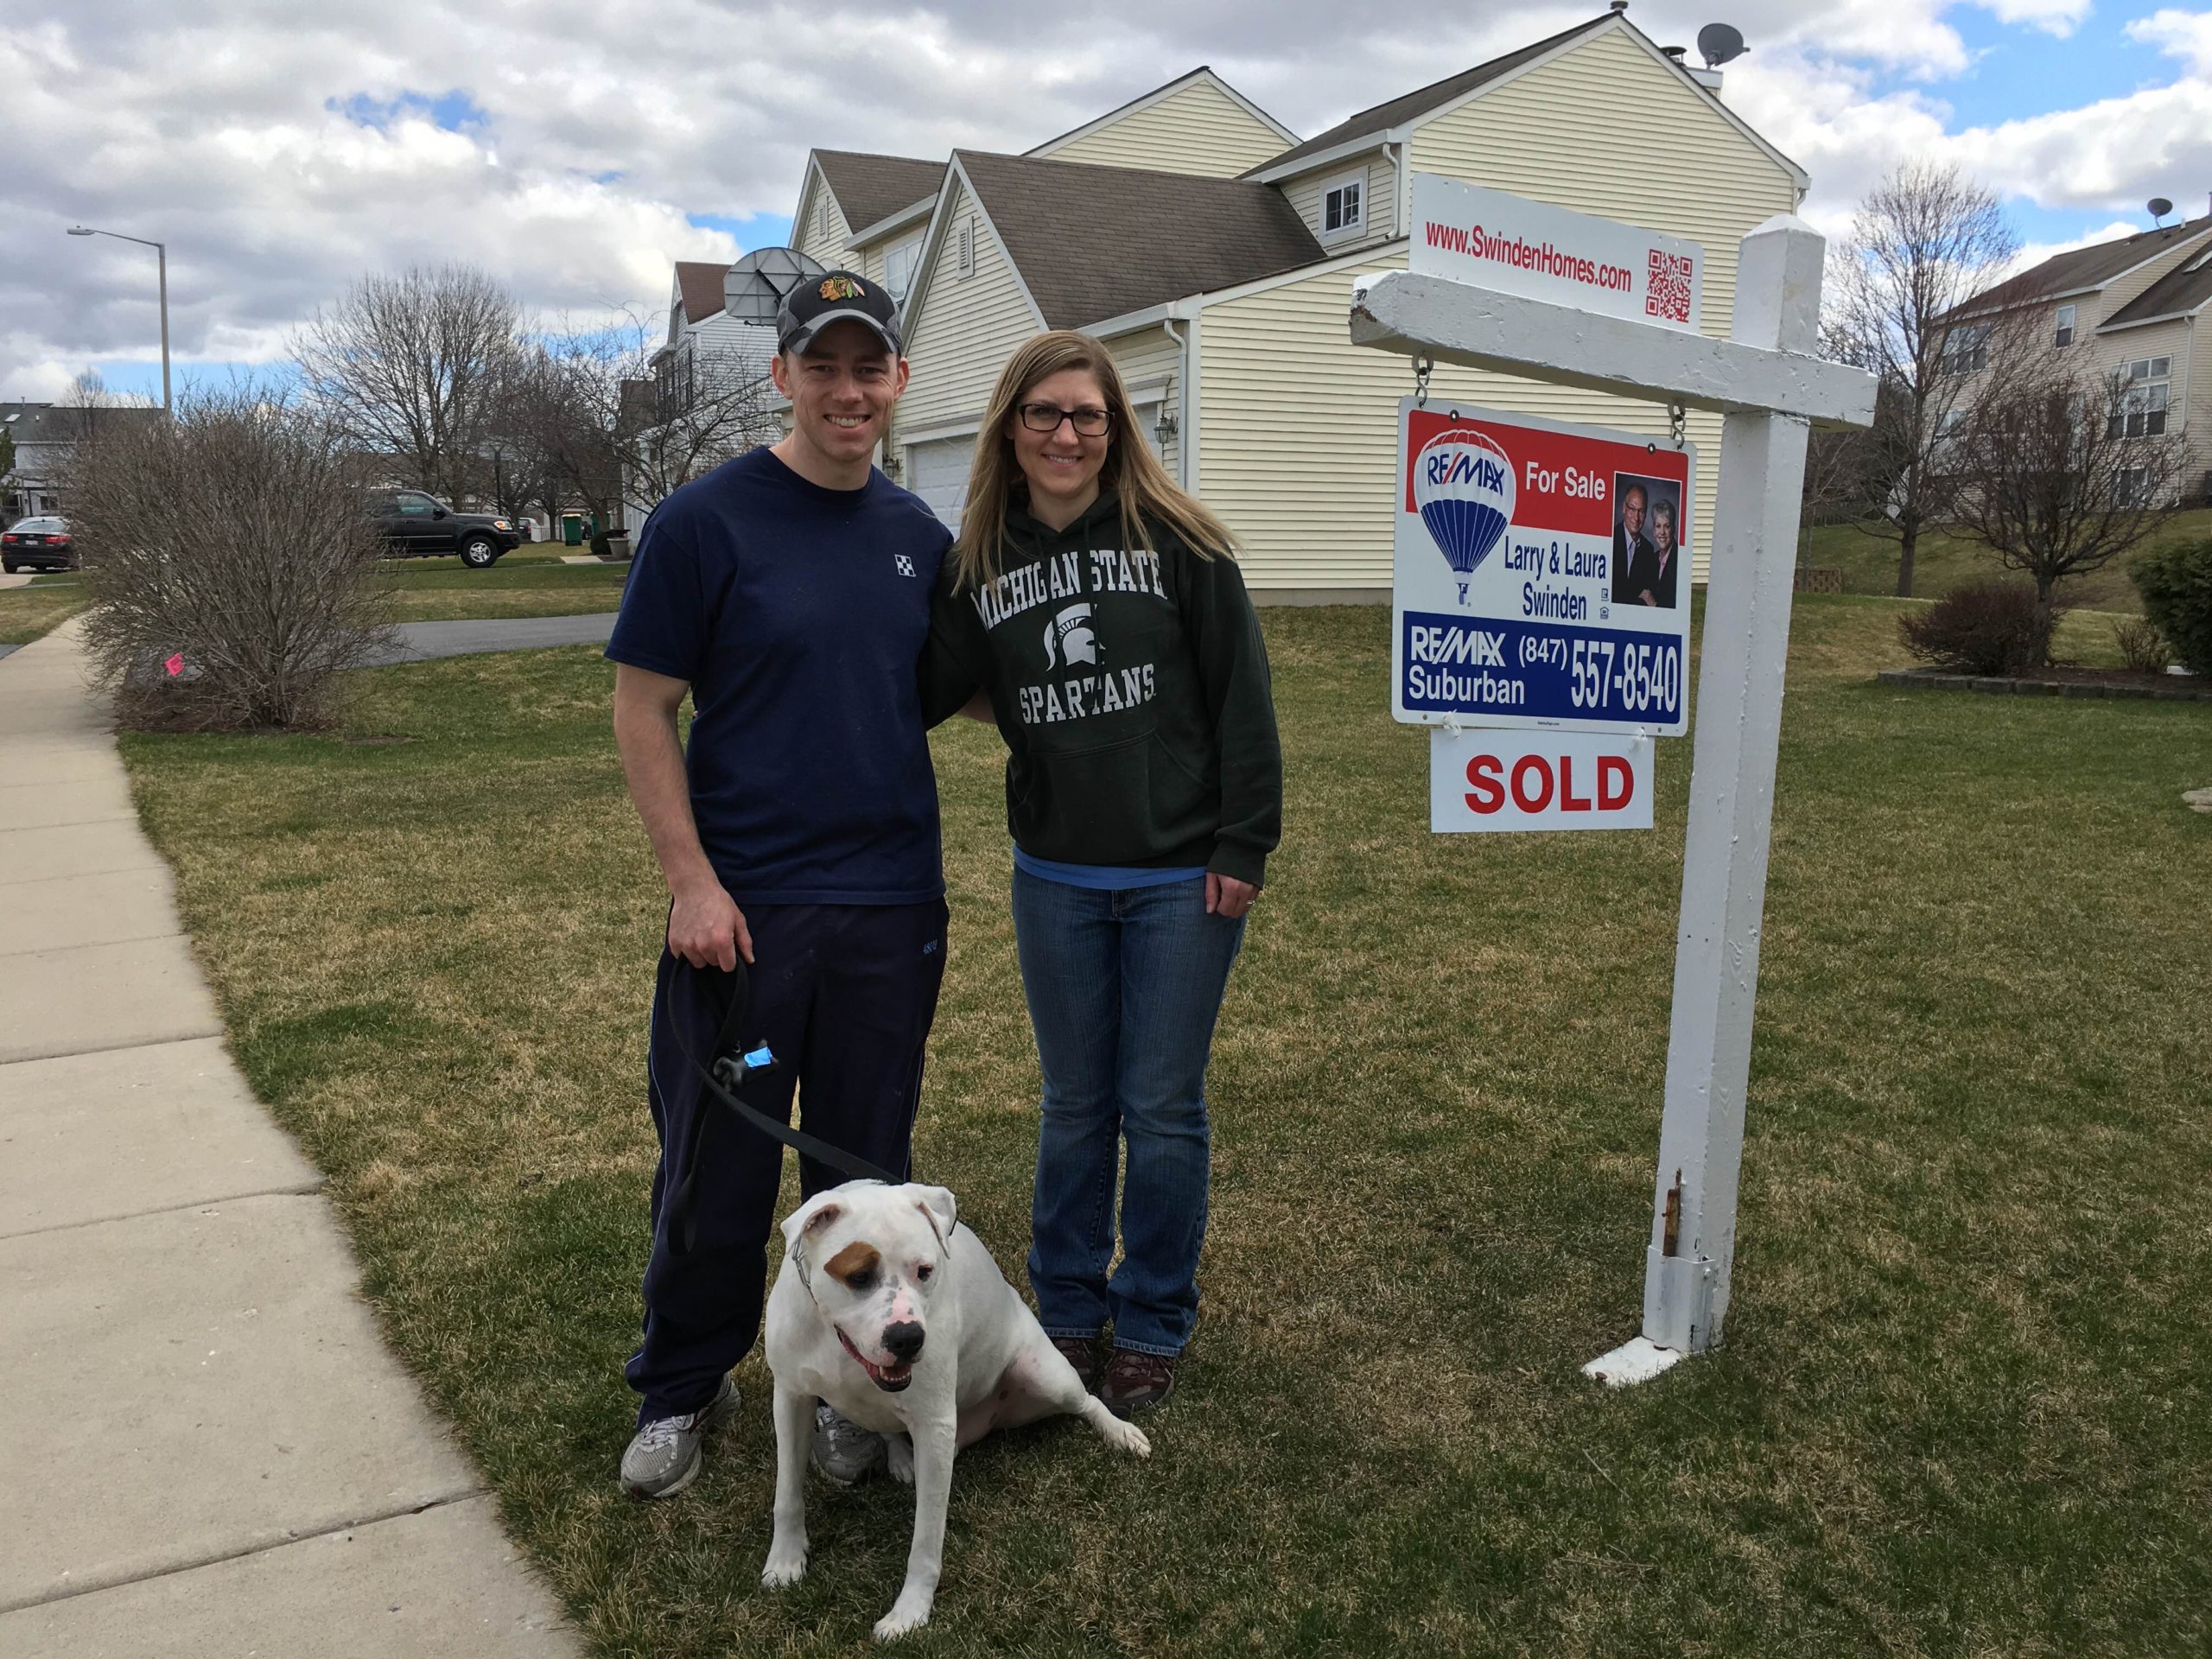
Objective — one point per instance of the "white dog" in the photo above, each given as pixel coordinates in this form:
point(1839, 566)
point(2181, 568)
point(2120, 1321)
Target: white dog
point(889, 1311)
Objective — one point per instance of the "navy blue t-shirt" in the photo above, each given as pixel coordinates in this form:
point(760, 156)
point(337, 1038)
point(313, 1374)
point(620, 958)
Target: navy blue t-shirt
point(797, 614)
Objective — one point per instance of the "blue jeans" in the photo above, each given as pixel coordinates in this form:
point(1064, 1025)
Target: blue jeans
point(1124, 987)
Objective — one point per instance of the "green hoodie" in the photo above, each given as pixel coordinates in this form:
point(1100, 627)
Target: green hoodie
point(1132, 690)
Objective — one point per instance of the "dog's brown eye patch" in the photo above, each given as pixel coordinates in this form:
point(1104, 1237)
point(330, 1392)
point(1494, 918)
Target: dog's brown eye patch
point(855, 1265)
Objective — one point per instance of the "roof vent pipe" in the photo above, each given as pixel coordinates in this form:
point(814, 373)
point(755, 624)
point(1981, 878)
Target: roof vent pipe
point(1677, 53)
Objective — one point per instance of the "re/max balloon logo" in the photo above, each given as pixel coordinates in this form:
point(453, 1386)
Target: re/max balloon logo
point(1463, 487)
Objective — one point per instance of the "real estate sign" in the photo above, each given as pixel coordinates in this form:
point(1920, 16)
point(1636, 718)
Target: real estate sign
point(1540, 577)
point(1482, 780)
point(1490, 239)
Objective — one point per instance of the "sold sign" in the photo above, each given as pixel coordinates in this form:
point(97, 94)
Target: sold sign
point(1490, 779)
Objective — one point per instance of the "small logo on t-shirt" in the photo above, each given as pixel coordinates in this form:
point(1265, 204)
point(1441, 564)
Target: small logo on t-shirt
point(1069, 634)
point(903, 564)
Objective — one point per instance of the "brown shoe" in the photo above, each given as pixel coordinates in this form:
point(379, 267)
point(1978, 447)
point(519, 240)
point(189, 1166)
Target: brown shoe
point(1082, 1352)
point(1137, 1382)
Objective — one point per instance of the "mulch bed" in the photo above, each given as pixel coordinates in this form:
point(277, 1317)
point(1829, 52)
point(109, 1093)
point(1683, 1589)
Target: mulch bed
point(2062, 683)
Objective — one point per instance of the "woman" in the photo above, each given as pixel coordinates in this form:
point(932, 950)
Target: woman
point(1096, 604)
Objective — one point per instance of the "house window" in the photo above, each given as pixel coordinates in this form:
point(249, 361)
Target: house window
point(2065, 336)
point(1344, 205)
point(1966, 351)
point(898, 268)
point(2143, 386)
point(963, 237)
point(2133, 489)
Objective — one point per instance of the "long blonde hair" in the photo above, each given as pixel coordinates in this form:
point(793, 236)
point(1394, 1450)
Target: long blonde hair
point(1132, 471)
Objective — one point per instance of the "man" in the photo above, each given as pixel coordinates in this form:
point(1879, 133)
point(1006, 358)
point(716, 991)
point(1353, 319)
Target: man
point(788, 592)
point(1651, 579)
point(1628, 543)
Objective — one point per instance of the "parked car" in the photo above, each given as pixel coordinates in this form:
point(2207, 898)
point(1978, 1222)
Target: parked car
point(413, 525)
point(37, 544)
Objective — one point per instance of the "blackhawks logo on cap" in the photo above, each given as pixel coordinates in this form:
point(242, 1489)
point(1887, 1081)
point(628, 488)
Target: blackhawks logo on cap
point(841, 288)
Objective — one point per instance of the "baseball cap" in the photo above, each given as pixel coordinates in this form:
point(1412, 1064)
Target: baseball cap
point(835, 296)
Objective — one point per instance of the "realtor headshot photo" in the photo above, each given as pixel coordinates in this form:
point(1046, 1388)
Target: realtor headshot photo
point(1649, 533)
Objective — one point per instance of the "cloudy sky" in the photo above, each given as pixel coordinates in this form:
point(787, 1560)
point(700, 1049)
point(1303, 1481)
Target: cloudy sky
point(573, 148)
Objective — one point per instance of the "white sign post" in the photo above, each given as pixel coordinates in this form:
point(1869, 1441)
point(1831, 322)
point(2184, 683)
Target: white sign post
point(1768, 386)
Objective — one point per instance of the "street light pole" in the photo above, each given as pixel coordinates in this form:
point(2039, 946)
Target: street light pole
point(162, 257)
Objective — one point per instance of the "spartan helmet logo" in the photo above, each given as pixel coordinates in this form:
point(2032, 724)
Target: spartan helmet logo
point(1068, 635)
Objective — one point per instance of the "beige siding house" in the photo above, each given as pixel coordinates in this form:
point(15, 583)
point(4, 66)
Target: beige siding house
point(2128, 308)
point(1198, 124)
point(1214, 251)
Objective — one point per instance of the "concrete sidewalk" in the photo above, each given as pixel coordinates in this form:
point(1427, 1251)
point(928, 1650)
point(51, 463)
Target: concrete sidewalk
point(205, 1446)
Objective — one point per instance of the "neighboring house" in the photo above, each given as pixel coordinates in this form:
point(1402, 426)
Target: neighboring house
point(46, 436)
point(704, 342)
point(1213, 251)
point(2127, 308)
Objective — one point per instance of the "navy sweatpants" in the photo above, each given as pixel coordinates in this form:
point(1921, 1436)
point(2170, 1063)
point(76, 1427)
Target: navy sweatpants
point(844, 994)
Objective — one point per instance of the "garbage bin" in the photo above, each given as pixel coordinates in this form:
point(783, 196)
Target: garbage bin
point(572, 529)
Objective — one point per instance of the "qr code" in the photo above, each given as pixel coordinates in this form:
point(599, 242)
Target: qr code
point(1668, 291)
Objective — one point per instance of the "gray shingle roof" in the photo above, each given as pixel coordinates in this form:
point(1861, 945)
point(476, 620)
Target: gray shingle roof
point(869, 187)
point(65, 423)
point(1373, 123)
point(2089, 267)
point(2176, 291)
point(1096, 242)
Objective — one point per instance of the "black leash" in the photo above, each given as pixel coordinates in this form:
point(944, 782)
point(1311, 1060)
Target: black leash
point(737, 1062)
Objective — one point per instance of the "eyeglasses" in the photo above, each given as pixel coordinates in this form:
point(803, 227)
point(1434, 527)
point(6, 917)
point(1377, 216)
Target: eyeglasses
point(1091, 422)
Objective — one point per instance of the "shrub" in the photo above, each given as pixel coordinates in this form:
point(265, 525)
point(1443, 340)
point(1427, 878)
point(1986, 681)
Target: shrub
point(2175, 582)
point(229, 542)
point(1983, 627)
point(2142, 647)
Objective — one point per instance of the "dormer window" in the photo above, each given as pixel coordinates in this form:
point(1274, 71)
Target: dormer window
point(2065, 334)
point(1344, 205)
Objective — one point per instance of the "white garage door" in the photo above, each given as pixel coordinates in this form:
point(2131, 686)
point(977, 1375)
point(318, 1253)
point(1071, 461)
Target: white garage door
point(938, 471)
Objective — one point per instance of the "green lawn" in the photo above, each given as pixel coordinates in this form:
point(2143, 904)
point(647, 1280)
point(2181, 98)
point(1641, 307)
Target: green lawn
point(1944, 561)
point(530, 581)
point(26, 613)
point(1963, 1408)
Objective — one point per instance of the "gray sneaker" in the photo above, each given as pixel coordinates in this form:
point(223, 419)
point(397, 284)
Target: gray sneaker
point(663, 1455)
point(844, 1451)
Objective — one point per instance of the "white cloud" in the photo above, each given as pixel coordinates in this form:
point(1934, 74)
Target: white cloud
point(2059, 17)
point(281, 152)
point(2183, 35)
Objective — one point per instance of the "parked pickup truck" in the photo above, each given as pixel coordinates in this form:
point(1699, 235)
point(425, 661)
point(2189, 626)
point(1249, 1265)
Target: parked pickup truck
point(412, 525)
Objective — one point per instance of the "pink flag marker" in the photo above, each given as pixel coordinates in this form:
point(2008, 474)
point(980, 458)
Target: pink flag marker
point(176, 664)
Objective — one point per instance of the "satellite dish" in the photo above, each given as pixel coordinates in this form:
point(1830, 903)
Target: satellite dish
point(2159, 208)
point(753, 288)
point(1720, 43)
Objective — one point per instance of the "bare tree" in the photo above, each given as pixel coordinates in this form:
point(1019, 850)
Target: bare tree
point(2059, 471)
point(415, 365)
point(726, 406)
point(588, 411)
point(230, 566)
point(1925, 241)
